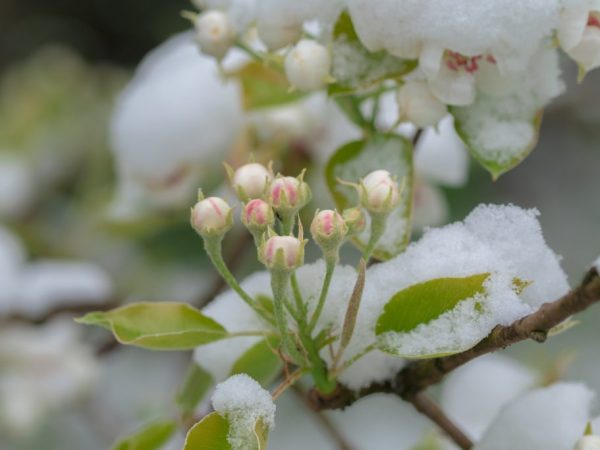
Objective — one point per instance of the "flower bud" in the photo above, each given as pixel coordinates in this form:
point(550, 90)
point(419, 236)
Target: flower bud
point(307, 65)
point(587, 53)
point(283, 253)
point(288, 194)
point(328, 230)
point(419, 106)
point(278, 35)
point(214, 33)
point(258, 216)
point(211, 217)
point(355, 220)
point(379, 193)
point(251, 181)
point(589, 442)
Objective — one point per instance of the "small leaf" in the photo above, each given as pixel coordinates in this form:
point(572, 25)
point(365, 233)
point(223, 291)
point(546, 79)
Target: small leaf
point(565, 325)
point(354, 67)
point(353, 306)
point(260, 362)
point(264, 86)
point(423, 302)
point(354, 161)
point(196, 384)
point(158, 326)
point(150, 437)
point(209, 434)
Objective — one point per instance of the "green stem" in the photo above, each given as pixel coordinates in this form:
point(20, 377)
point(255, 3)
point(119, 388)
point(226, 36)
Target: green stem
point(355, 358)
point(318, 370)
point(298, 298)
point(213, 249)
point(287, 224)
point(324, 291)
point(279, 284)
point(378, 222)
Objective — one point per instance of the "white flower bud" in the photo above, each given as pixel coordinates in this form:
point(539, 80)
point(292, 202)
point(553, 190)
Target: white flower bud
point(588, 443)
point(328, 229)
point(251, 181)
point(283, 253)
point(379, 193)
point(258, 216)
point(355, 220)
point(276, 36)
point(214, 33)
point(307, 65)
point(419, 106)
point(211, 217)
point(288, 194)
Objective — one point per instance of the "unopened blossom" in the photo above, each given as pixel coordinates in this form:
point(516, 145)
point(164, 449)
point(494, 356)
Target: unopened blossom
point(307, 65)
point(588, 443)
point(251, 181)
point(283, 253)
point(379, 193)
point(258, 216)
point(214, 33)
point(211, 216)
point(328, 229)
point(355, 220)
point(288, 194)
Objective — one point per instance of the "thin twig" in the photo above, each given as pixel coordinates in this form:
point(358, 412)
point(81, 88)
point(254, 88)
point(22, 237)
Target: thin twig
point(419, 375)
point(431, 410)
point(324, 421)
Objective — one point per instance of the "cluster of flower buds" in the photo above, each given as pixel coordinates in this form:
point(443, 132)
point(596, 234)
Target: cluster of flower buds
point(266, 198)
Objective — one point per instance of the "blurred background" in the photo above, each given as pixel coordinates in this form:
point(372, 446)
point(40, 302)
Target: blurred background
point(94, 203)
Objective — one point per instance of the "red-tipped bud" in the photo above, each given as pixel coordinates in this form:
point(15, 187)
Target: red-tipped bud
point(328, 229)
point(288, 194)
point(251, 181)
point(355, 220)
point(283, 253)
point(379, 193)
point(258, 216)
point(212, 216)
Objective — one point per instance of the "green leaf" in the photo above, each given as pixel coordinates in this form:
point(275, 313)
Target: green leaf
point(423, 302)
point(158, 326)
point(150, 437)
point(196, 384)
point(208, 434)
point(354, 67)
point(473, 123)
point(260, 362)
point(264, 86)
point(354, 161)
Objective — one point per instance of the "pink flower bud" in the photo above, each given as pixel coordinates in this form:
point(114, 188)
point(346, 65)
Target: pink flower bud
point(379, 193)
point(355, 220)
point(257, 215)
point(328, 230)
point(283, 252)
point(211, 217)
point(289, 194)
point(251, 181)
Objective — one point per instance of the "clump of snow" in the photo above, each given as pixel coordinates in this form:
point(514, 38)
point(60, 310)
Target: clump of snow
point(235, 315)
point(552, 418)
point(505, 241)
point(167, 129)
point(511, 32)
point(12, 257)
point(17, 187)
point(502, 126)
point(474, 394)
point(244, 403)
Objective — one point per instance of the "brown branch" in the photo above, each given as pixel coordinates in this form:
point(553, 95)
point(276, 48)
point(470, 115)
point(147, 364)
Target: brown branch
point(431, 410)
point(419, 375)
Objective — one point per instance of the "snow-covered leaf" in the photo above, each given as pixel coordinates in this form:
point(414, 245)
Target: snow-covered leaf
point(260, 362)
point(150, 437)
point(354, 67)
point(354, 161)
point(264, 87)
point(498, 142)
point(196, 384)
point(209, 434)
point(158, 326)
point(424, 302)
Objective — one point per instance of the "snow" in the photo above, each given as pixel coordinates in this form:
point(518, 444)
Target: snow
point(474, 394)
point(504, 241)
point(243, 402)
point(500, 124)
point(166, 130)
point(235, 315)
point(511, 32)
point(551, 418)
point(17, 187)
